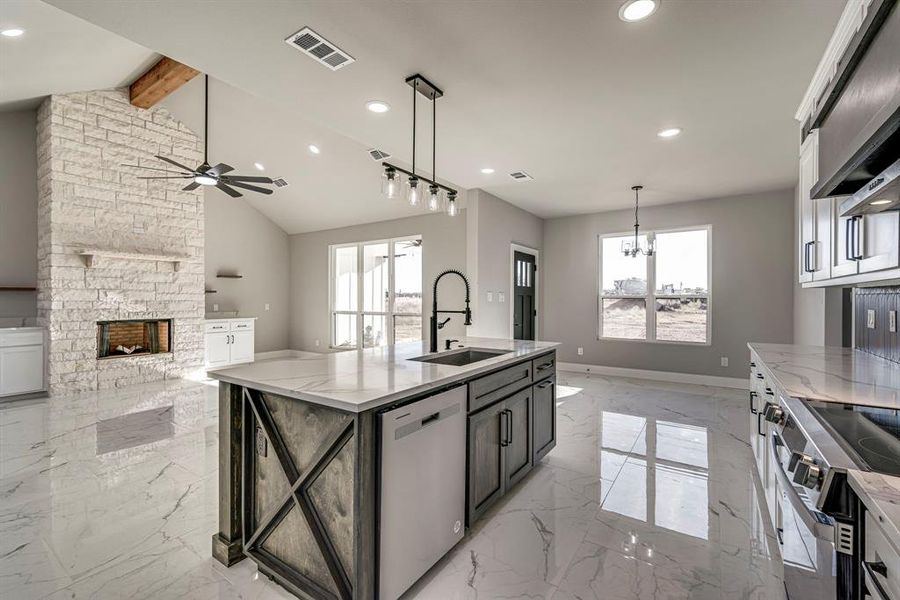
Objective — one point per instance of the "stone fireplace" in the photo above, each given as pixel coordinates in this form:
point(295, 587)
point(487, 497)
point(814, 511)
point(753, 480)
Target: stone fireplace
point(133, 337)
point(120, 259)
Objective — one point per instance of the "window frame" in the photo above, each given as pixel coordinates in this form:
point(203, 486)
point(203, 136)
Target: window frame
point(651, 296)
point(360, 313)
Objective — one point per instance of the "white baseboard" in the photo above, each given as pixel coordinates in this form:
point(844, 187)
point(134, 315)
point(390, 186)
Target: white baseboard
point(726, 382)
point(277, 354)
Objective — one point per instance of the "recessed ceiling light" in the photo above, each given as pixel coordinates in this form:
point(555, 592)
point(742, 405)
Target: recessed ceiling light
point(635, 10)
point(314, 149)
point(669, 133)
point(13, 32)
point(377, 106)
point(880, 202)
point(259, 166)
point(487, 170)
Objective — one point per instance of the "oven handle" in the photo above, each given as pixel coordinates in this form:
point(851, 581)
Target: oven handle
point(820, 530)
point(872, 584)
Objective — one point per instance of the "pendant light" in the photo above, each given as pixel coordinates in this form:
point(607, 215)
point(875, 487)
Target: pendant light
point(416, 184)
point(632, 249)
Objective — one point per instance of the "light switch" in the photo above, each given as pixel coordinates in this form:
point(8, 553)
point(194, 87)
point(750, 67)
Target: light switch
point(724, 361)
point(215, 308)
point(490, 296)
point(892, 321)
point(501, 297)
point(870, 319)
point(580, 351)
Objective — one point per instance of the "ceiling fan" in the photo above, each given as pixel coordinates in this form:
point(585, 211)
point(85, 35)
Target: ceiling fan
point(205, 174)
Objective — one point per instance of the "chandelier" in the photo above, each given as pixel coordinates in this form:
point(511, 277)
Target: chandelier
point(437, 197)
point(634, 248)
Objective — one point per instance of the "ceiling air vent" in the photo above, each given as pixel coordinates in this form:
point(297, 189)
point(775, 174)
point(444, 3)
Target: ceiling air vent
point(280, 182)
point(377, 154)
point(315, 46)
point(521, 176)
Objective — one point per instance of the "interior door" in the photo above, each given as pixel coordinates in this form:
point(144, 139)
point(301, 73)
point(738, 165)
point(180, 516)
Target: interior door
point(519, 410)
point(486, 468)
point(524, 273)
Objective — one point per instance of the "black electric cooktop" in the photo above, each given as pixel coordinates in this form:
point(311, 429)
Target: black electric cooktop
point(870, 435)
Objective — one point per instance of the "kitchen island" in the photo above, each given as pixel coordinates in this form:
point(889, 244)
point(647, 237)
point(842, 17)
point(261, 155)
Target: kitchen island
point(300, 451)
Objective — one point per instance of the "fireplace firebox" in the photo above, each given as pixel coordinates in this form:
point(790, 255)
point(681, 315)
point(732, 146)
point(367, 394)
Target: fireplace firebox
point(133, 337)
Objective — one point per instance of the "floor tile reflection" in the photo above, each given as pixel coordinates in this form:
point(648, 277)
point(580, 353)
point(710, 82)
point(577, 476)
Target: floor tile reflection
point(649, 494)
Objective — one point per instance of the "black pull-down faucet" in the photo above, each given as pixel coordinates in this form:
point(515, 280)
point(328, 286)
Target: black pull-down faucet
point(434, 325)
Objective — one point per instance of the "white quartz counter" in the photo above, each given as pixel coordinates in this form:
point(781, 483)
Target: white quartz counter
point(360, 380)
point(881, 495)
point(832, 374)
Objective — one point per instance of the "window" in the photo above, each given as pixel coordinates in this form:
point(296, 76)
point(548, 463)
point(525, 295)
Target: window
point(658, 298)
point(376, 292)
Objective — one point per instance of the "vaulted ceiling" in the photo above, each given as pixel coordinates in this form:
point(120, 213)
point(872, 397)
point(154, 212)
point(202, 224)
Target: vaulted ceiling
point(562, 90)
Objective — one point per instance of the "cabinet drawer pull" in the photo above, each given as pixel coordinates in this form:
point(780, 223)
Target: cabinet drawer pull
point(509, 423)
point(545, 384)
point(546, 365)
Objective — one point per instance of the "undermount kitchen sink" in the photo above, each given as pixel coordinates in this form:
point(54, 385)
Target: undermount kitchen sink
point(459, 358)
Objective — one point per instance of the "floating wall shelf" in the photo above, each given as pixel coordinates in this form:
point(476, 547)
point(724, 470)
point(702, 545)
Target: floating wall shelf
point(17, 288)
point(228, 276)
point(210, 291)
point(90, 253)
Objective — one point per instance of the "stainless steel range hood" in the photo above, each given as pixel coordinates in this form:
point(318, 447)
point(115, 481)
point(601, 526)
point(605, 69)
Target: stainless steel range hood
point(879, 195)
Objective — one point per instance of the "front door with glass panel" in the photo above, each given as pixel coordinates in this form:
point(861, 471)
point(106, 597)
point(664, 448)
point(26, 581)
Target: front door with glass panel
point(523, 296)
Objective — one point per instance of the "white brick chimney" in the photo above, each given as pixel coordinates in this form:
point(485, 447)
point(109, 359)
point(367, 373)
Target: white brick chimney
point(86, 199)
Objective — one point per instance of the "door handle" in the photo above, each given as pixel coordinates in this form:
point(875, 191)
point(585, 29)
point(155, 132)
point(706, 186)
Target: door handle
point(848, 238)
point(503, 426)
point(809, 267)
point(857, 238)
point(759, 430)
point(545, 384)
point(752, 396)
point(509, 423)
point(546, 365)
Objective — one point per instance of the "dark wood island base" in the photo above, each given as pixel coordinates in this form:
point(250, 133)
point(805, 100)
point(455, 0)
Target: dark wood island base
point(298, 479)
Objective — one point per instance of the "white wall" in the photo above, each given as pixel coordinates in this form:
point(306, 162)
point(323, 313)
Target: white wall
point(443, 245)
point(241, 239)
point(18, 212)
point(493, 226)
point(752, 289)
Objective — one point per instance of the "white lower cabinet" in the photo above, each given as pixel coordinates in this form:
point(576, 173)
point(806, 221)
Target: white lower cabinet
point(229, 342)
point(21, 361)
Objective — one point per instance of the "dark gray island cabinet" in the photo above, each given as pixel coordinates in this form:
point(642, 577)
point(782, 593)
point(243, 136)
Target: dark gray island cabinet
point(300, 447)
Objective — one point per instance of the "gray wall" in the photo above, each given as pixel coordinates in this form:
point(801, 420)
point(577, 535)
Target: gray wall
point(493, 226)
point(752, 283)
point(18, 212)
point(241, 239)
point(444, 247)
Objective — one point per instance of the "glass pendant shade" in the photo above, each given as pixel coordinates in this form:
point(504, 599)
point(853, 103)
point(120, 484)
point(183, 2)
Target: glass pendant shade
point(412, 191)
point(389, 184)
point(452, 209)
point(434, 198)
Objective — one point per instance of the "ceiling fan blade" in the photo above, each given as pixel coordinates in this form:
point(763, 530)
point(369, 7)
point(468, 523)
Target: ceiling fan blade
point(252, 188)
point(150, 168)
point(167, 177)
point(221, 168)
point(249, 178)
point(190, 187)
point(231, 192)
point(172, 162)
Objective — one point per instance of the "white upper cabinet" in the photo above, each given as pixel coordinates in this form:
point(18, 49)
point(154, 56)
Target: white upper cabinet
point(878, 242)
point(807, 207)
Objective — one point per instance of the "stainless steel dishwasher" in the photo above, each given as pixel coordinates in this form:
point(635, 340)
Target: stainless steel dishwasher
point(423, 487)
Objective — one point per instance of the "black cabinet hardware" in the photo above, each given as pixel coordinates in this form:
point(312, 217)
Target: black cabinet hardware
point(752, 396)
point(759, 429)
point(504, 426)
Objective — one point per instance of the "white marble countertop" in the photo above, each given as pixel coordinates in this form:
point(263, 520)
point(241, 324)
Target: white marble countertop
point(360, 380)
point(881, 495)
point(832, 374)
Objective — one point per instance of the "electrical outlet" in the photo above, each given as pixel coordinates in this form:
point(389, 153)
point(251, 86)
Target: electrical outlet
point(580, 351)
point(490, 296)
point(139, 227)
point(267, 307)
point(724, 361)
point(870, 318)
point(501, 297)
point(215, 308)
point(892, 321)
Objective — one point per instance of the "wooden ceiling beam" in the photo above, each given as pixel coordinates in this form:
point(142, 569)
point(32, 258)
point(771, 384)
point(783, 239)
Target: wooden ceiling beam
point(159, 81)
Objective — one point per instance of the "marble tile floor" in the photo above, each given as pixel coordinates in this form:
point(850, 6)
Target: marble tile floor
point(649, 493)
